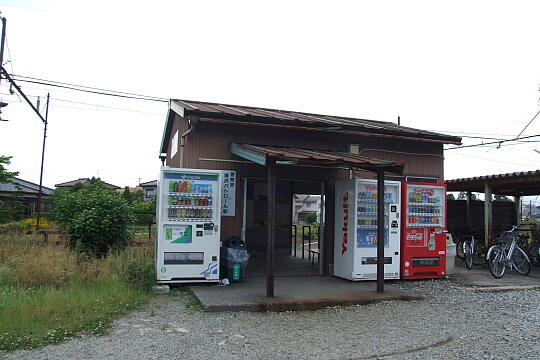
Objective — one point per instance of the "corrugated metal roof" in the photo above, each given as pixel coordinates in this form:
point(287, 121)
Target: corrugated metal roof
point(296, 156)
point(255, 115)
point(23, 186)
point(513, 184)
point(519, 174)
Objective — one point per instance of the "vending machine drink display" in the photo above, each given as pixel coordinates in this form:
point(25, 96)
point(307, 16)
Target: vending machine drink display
point(355, 250)
point(188, 218)
point(423, 240)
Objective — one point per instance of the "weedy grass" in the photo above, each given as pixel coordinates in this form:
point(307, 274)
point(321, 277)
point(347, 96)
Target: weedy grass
point(48, 294)
point(190, 300)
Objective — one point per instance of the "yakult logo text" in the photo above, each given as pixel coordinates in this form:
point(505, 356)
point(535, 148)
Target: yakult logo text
point(345, 239)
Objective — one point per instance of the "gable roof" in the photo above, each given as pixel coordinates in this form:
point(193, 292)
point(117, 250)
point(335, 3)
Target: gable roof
point(247, 115)
point(20, 185)
point(85, 181)
point(149, 183)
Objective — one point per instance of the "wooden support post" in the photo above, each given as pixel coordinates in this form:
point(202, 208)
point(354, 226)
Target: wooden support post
point(468, 217)
point(517, 209)
point(329, 220)
point(321, 238)
point(488, 215)
point(380, 230)
point(270, 228)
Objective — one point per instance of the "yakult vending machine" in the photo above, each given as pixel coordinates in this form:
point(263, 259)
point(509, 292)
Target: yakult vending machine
point(423, 240)
point(355, 250)
point(188, 225)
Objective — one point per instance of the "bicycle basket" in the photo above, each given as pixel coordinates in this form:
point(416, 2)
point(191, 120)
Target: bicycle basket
point(505, 238)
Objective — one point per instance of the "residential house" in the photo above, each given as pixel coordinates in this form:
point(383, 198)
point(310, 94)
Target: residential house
point(84, 181)
point(306, 204)
point(149, 190)
point(23, 192)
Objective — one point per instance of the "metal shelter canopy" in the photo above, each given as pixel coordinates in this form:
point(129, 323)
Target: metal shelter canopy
point(270, 156)
point(514, 184)
point(511, 184)
point(294, 156)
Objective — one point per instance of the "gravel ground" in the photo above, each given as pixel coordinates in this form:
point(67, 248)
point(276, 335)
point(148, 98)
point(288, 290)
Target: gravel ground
point(451, 322)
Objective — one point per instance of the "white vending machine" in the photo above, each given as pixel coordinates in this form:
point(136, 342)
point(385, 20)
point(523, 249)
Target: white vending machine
point(355, 237)
point(188, 225)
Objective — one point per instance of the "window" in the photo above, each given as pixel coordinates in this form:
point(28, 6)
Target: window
point(308, 205)
point(174, 144)
point(149, 193)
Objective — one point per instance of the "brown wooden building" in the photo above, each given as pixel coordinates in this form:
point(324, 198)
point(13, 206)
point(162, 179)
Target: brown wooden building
point(228, 137)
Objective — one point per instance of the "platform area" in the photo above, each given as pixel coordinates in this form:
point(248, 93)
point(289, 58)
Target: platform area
point(294, 293)
point(480, 278)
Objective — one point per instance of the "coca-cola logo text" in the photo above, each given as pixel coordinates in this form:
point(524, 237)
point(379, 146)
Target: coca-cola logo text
point(415, 236)
point(424, 191)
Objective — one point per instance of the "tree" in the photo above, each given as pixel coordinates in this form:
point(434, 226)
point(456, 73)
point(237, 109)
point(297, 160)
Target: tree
point(5, 175)
point(463, 196)
point(95, 218)
point(14, 210)
point(127, 195)
point(450, 197)
point(501, 197)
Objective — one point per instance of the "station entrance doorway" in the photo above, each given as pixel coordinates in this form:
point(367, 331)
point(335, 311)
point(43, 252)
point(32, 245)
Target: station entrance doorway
point(288, 259)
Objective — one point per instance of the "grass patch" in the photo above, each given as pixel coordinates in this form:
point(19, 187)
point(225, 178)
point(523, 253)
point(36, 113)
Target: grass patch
point(48, 294)
point(35, 317)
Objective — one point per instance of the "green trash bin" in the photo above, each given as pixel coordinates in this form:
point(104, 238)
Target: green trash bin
point(233, 259)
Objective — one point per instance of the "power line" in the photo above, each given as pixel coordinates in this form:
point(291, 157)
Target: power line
point(529, 123)
point(88, 89)
point(470, 133)
point(492, 142)
point(487, 159)
point(90, 104)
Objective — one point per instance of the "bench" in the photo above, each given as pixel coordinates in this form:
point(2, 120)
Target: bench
point(312, 255)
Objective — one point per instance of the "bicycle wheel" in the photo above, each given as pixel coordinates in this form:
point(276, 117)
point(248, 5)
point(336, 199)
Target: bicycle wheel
point(478, 254)
point(534, 254)
point(459, 249)
point(496, 261)
point(467, 253)
point(521, 262)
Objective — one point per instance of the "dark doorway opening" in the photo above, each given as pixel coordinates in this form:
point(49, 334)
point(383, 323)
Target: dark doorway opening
point(255, 228)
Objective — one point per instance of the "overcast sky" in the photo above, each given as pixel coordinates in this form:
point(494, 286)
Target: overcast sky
point(468, 68)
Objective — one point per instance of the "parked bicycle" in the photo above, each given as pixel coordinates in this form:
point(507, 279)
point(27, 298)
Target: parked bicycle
point(473, 251)
point(469, 249)
point(507, 253)
point(532, 249)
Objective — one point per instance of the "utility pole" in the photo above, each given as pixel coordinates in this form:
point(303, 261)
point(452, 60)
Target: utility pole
point(42, 159)
point(2, 44)
point(4, 73)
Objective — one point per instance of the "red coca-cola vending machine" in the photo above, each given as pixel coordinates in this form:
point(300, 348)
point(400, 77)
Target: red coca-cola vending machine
point(423, 238)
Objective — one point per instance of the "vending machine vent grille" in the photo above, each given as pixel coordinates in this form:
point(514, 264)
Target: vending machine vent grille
point(425, 273)
point(374, 275)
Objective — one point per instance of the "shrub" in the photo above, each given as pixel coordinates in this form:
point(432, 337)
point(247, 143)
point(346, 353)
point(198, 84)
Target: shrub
point(145, 212)
point(95, 218)
point(311, 218)
point(140, 273)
